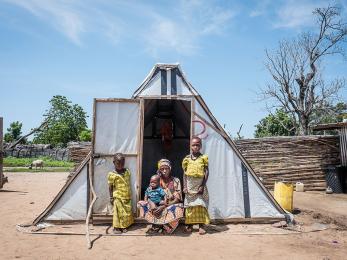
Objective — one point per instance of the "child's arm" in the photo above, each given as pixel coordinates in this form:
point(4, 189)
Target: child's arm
point(184, 167)
point(185, 190)
point(205, 176)
point(146, 195)
point(165, 200)
point(110, 190)
point(203, 184)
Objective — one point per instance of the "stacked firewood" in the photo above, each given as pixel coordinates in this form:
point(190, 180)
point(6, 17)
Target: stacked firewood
point(78, 151)
point(292, 159)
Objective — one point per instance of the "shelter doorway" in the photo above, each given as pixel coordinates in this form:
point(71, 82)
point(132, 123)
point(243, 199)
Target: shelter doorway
point(166, 134)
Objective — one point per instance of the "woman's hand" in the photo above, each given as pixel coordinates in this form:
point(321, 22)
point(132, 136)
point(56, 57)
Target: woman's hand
point(201, 189)
point(185, 190)
point(158, 210)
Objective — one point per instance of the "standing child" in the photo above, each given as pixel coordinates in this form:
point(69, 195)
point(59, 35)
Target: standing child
point(195, 167)
point(120, 195)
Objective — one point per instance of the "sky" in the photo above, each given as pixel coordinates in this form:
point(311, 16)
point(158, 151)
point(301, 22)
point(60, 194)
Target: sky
point(97, 49)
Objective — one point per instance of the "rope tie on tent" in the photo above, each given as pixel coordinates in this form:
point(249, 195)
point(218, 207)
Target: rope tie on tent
point(89, 242)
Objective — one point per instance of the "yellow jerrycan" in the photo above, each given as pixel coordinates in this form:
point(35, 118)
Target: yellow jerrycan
point(283, 194)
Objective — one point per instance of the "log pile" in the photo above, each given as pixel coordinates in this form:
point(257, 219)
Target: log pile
point(292, 159)
point(78, 151)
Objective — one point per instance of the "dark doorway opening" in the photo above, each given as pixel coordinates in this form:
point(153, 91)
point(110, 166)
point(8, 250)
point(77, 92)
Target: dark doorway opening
point(166, 135)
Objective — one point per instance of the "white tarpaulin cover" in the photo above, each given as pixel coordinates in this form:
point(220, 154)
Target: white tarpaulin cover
point(116, 127)
point(154, 86)
point(201, 112)
point(72, 205)
point(102, 167)
point(165, 81)
point(260, 204)
point(224, 182)
point(225, 178)
point(182, 88)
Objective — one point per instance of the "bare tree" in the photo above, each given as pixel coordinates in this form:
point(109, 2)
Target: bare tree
point(296, 69)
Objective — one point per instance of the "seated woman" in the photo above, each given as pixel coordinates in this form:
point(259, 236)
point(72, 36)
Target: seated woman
point(165, 216)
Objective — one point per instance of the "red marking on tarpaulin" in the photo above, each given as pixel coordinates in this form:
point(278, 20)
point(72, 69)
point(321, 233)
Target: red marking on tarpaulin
point(202, 123)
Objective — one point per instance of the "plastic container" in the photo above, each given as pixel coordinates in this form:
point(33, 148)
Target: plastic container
point(283, 194)
point(299, 186)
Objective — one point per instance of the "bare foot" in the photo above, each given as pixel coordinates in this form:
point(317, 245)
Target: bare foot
point(202, 231)
point(124, 230)
point(117, 231)
point(152, 230)
point(188, 229)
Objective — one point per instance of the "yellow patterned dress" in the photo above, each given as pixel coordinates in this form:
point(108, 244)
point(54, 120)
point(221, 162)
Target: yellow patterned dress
point(195, 204)
point(122, 210)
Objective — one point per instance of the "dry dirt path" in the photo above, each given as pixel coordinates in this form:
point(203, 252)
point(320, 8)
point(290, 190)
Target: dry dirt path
point(27, 194)
point(331, 207)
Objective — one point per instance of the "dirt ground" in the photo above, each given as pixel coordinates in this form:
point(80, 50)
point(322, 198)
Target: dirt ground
point(27, 194)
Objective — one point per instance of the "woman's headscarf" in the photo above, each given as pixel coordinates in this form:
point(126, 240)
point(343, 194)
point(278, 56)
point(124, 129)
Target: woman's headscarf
point(164, 162)
point(168, 187)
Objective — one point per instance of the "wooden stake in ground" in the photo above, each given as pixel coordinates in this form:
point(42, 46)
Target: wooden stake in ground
point(3, 179)
point(30, 133)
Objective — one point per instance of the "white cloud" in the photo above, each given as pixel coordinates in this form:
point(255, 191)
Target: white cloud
point(166, 34)
point(218, 22)
point(62, 15)
point(292, 14)
point(260, 9)
point(296, 13)
point(175, 26)
point(189, 23)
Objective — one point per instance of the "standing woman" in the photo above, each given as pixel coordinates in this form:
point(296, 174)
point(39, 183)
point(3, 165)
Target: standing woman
point(120, 195)
point(166, 216)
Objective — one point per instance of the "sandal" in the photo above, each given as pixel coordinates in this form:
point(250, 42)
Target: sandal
point(124, 230)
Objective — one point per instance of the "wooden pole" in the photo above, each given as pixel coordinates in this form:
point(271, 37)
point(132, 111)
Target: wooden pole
point(1, 153)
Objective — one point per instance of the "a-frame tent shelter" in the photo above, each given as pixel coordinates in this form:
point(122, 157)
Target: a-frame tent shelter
point(133, 127)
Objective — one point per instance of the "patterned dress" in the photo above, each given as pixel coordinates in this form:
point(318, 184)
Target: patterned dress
point(171, 215)
point(195, 204)
point(122, 212)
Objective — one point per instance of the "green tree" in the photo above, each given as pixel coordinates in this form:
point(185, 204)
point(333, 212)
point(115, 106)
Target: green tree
point(64, 122)
point(278, 124)
point(332, 114)
point(13, 132)
point(85, 135)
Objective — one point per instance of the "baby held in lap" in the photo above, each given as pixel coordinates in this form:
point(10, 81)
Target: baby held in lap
point(154, 194)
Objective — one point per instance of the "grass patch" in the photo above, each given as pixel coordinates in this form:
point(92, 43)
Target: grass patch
point(47, 169)
point(25, 162)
